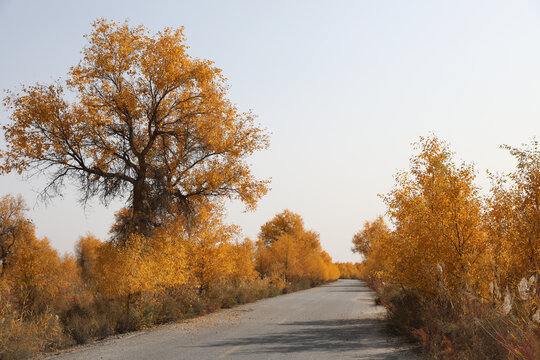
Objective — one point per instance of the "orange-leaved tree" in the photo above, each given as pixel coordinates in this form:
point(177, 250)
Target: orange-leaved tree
point(513, 219)
point(285, 222)
point(32, 273)
point(140, 267)
point(374, 243)
point(87, 252)
point(137, 117)
point(436, 209)
point(14, 227)
point(287, 251)
point(208, 249)
point(349, 270)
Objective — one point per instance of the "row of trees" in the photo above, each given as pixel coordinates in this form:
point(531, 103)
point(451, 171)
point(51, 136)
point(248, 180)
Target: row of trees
point(349, 270)
point(447, 241)
point(287, 251)
point(138, 119)
point(49, 301)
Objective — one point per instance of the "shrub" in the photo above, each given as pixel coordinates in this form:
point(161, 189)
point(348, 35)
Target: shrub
point(21, 337)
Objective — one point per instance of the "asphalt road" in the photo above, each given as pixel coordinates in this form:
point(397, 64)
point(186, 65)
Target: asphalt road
point(334, 321)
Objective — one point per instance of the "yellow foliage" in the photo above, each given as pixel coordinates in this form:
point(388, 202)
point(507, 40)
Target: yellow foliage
point(349, 270)
point(14, 227)
point(438, 232)
point(241, 256)
point(37, 277)
point(87, 251)
point(460, 261)
point(285, 222)
point(513, 219)
point(141, 266)
point(373, 242)
point(32, 274)
point(141, 118)
point(287, 251)
point(212, 255)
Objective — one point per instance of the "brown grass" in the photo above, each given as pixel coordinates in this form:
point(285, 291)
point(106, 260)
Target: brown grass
point(461, 327)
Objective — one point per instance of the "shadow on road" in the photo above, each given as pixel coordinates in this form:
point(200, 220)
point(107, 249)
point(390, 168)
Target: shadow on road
point(320, 336)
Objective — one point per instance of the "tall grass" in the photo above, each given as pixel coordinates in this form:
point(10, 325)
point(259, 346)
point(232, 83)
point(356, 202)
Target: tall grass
point(459, 326)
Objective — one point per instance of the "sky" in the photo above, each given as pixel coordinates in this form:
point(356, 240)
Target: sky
point(344, 88)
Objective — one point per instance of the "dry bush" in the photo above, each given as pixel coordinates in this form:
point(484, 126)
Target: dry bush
point(459, 326)
point(23, 337)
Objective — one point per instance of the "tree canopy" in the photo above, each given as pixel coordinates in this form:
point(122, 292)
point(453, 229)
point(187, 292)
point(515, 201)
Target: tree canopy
point(137, 118)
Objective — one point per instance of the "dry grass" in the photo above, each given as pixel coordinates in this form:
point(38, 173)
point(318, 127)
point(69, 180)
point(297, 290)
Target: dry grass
point(22, 337)
point(461, 327)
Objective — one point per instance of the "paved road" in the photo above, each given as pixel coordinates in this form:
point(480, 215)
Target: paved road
point(335, 321)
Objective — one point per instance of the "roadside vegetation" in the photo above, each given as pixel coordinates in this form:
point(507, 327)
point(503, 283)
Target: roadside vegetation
point(458, 271)
point(49, 302)
point(350, 270)
point(139, 120)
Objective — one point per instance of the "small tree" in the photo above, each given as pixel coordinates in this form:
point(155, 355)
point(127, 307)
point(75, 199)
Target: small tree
point(286, 222)
point(513, 218)
point(374, 242)
point(371, 232)
point(142, 119)
point(436, 210)
point(14, 227)
point(286, 250)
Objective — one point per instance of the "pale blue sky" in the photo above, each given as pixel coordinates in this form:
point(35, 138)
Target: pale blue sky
point(344, 87)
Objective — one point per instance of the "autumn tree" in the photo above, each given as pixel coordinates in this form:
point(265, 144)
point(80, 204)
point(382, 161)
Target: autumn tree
point(287, 251)
point(375, 243)
point(128, 271)
point(208, 249)
point(87, 252)
point(370, 234)
point(513, 218)
point(285, 222)
point(241, 255)
point(436, 210)
point(349, 270)
point(137, 118)
point(14, 226)
point(32, 271)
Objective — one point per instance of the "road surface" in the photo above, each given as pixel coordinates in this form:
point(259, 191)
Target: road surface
point(335, 321)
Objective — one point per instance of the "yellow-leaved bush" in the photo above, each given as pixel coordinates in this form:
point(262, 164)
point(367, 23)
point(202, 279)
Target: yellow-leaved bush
point(141, 266)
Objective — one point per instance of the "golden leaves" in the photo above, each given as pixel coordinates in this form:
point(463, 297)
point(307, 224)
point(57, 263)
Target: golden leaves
point(143, 117)
point(513, 218)
point(445, 232)
point(287, 251)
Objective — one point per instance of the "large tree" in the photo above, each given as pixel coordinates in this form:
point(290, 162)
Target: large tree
point(138, 117)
